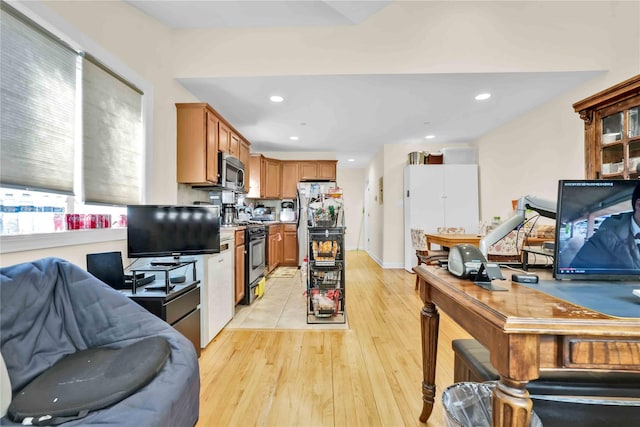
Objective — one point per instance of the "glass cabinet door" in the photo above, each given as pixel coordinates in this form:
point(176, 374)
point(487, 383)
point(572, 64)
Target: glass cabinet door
point(612, 128)
point(619, 133)
point(634, 142)
point(634, 122)
point(612, 131)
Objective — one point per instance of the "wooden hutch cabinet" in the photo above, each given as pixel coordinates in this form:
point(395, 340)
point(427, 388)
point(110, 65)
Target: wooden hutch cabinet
point(612, 131)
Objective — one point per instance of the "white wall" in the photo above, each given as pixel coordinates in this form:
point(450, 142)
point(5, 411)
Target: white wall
point(374, 234)
point(76, 254)
point(351, 181)
point(529, 155)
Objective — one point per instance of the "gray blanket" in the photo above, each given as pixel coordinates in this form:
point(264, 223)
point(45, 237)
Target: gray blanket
point(50, 308)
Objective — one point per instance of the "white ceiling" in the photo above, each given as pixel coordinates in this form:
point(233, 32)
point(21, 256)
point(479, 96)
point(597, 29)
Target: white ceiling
point(251, 14)
point(351, 115)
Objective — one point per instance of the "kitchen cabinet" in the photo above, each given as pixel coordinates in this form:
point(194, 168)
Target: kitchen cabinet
point(274, 247)
point(327, 170)
point(239, 265)
point(265, 177)
point(273, 178)
point(310, 170)
point(290, 245)
point(234, 145)
point(438, 196)
point(244, 153)
point(612, 131)
point(256, 176)
point(307, 170)
point(197, 144)
point(201, 133)
point(289, 179)
point(224, 138)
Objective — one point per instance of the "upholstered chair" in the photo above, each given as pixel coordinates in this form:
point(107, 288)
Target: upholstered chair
point(424, 255)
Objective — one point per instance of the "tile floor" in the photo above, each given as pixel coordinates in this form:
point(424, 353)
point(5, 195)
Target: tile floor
point(283, 306)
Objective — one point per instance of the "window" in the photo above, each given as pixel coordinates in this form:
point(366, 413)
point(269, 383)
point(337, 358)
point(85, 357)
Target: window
point(68, 125)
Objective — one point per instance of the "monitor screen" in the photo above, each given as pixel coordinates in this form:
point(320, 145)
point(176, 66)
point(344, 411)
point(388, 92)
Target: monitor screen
point(595, 228)
point(107, 266)
point(155, 231)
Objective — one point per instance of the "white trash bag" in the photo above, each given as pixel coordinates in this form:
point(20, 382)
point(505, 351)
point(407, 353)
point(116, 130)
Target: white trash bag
point(468, 404)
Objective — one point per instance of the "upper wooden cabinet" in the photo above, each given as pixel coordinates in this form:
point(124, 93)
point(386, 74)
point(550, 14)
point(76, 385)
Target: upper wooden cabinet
point(612, 131)
point(278, 179)
point(289, 179)
point(273, 179)
point(327, 169)
point(197, 144)
point(265, 176)
point(309, 170)
point(243, 155)
point(201, 133)
point(234, 145)
point(224, 138)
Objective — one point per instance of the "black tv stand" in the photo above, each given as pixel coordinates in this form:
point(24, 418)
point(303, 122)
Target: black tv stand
point(163, 268)
point(177, 260)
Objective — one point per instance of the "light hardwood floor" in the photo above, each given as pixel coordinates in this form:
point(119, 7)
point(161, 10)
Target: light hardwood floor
point(369, 375)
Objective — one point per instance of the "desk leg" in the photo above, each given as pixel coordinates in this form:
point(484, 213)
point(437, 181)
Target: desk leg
point(430, 322)
point(511, 404)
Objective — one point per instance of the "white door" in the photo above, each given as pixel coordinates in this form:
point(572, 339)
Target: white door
point(461, 197)
point(423, 204)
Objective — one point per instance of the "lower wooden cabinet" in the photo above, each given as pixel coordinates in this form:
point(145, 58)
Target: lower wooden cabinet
point(274, 247)
point(290, 245)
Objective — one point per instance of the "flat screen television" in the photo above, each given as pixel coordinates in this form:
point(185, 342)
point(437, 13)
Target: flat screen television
point(595, 223)
point(162, 231)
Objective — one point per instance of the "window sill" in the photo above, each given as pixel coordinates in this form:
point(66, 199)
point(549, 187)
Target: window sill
point(31, 242)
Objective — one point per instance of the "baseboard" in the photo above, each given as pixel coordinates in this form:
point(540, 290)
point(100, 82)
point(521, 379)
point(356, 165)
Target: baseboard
point(375, 258)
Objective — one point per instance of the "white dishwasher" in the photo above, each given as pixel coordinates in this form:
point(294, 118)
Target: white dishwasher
point(217, 290)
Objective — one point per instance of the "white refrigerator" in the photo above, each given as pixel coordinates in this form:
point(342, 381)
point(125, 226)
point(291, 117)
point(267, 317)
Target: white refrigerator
point(307, 191)
point(439, 196)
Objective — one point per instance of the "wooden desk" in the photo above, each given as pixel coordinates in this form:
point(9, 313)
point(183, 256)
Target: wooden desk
point(526, 331)
point(449, 240)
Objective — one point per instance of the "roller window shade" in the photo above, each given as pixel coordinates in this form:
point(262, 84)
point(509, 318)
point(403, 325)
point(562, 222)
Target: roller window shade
point(112, 137)
point(38, 98)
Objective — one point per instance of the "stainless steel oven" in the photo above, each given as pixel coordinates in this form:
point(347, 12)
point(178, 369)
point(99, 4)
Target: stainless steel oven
point(255, 238)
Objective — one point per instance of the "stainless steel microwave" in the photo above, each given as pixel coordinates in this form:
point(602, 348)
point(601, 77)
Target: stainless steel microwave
point(231, 172)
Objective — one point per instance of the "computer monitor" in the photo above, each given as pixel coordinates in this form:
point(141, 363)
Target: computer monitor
point(595, 223)
point(107, 266)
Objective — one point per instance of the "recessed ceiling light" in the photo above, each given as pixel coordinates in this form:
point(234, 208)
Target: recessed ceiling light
point(430, 136)
point(351, 160)
point(276, 98)
point(294, 138)
point(483, 96)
